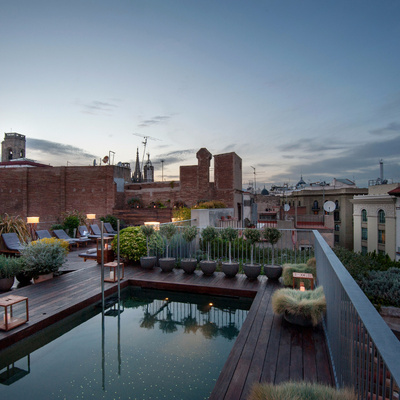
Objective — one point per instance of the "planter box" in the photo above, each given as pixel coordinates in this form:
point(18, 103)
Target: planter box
point(44, 277)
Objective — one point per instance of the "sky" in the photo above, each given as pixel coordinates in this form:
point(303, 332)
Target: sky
point(294, 87)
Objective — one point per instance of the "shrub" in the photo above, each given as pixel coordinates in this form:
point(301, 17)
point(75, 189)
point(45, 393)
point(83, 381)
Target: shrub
point(44, 256)
point(287, 274)
point(132, 243)
point(182, 213)
point(299, 391)
point(10, 266)
point(70, 224)
point(310, 304)
point(10, 224)
point(112, 220)
point(210, 204)
point(135, 202)
point(382, 287)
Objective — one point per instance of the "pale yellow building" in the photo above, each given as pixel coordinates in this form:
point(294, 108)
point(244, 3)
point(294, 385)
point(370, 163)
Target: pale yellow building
point(376, 225)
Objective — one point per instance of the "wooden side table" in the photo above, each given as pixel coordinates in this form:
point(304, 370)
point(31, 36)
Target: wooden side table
point(13, 311)
point(303, 275)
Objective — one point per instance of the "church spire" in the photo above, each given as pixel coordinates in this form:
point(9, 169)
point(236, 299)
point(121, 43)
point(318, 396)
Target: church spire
point(137, 175)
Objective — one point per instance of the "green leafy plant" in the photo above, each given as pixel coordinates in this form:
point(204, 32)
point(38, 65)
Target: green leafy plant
point(272, 235)
point(310, 304)
point(209, 234)
point(132, 243)
point(148, 231)
point(299, 391)
point(10, 266)
point(112, 220)
point(168, 231)
point(182, 213)
point(10, 224)
point(70, 224)
point(135, 202)
point(253, 236)
point(43, 257)
point(229, 234)
point(189, 234)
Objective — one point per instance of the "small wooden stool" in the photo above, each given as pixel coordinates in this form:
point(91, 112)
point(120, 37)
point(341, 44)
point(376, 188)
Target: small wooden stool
point(113, 271)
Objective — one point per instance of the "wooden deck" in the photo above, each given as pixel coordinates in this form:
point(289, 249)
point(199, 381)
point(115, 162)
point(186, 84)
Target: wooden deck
point(266, 349)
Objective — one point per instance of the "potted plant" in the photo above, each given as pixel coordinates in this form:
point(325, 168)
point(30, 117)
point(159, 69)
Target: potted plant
point(252, 270)
point(147, 262)
point(272, 271)
point(208, 266)
point(167, 263)
point(303, 308)
point(9, 268)
point(44, 257)
point(189, 264)
point(230, 269)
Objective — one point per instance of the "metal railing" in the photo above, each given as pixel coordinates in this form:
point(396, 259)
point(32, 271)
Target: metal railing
point(365, 353)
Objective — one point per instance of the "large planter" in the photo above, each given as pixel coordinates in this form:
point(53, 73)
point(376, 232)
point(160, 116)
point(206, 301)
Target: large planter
point(300, 320)
point(189, 265)
point(167, 264)
point(24, 278)
point(208, 267)
point(273, 272)
point(148, 262)
point(230, 269)
point(6, 284)
point(42, 278)
point(252, 271)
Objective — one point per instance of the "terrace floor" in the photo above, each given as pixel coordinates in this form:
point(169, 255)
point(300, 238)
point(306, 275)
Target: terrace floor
point(267, 348)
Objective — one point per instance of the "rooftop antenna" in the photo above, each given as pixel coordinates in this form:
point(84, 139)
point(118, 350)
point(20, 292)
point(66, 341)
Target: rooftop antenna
point(255, 182)
point(162, 170)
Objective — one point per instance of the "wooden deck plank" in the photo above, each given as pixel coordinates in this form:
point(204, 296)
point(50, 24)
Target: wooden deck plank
point(266, 349)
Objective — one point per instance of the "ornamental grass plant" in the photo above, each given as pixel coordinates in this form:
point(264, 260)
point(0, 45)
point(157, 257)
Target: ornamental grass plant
point(299, 391)
point(288, 269)
point(310, 304)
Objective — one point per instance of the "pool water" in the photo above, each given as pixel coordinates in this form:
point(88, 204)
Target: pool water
point(154, 345)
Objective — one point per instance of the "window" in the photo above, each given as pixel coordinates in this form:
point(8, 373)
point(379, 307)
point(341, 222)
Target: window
point(299, 203)
point(337, 227)
point(364, 250)
point(364, 215)
point(381, 252)
point(381, 236)
point(381, 217)
point(336, 238)
point(364, 234)
point(315, 205)
point(337, 204)
point(336, 216)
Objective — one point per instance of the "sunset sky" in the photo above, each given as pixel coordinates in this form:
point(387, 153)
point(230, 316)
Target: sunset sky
point(292, 86)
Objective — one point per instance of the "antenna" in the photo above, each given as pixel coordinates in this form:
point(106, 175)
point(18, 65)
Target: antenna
point(162, 170)
point(255, 182)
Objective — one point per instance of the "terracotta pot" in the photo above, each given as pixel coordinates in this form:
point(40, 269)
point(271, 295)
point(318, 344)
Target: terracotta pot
point(42, 278)
point(273, 272)
point(208, 267)
point(252, 271)
point(230, 269)
point(6, 284)
point(167, 264)
point(189, 265)
point(148, 262)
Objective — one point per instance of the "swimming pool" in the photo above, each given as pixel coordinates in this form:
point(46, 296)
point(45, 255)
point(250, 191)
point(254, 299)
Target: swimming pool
point(154, 345)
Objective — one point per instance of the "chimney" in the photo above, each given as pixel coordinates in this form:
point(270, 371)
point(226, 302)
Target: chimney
point(381, 170)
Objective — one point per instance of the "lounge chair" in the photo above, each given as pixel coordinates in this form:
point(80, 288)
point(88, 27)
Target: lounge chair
point(110, 230)
point(43, 234)
point(12, 244)
point(96, 231)
point(61, 234)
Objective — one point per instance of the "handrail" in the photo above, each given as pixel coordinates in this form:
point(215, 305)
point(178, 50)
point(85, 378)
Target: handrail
point(365, 353)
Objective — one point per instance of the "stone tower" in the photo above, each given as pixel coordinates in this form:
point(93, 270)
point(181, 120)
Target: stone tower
point(148, 170)
point(137, 174)
point(13, 147)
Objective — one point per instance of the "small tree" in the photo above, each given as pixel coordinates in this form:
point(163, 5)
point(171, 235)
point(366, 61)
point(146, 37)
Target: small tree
point(189, 234)
point(253, 236)
point(209, 234)
point(272, 235)
point(168, 230)
point(229, 234)
point(147, 231)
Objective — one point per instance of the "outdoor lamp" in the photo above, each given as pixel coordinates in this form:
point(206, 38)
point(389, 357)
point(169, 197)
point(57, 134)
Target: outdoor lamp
point(91, 216)
point(32, 220)
point(156, 225)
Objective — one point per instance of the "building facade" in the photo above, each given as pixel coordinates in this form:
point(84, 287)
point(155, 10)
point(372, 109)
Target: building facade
point(376, 220)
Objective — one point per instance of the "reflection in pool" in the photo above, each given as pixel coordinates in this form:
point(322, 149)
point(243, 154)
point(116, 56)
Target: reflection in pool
point(150, 345)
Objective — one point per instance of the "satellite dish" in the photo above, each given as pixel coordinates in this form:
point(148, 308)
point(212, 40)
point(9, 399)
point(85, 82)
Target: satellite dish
point(105, 159)
point(286, 207)
point(329, 206)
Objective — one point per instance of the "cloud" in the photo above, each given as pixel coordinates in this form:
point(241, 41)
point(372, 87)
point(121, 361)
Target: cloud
point(97, 107)
point(393, 127)
point(312, 145)
point(57, 149)
point(175, 156)
point(158, 119)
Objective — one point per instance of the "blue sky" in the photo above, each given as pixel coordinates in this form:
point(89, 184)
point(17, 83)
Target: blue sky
point(293, 87)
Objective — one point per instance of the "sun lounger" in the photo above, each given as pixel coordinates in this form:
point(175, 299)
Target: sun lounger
point(12, 244)
point(96, 231)
point(61, 234)
point(110, 230)
point(43, 234)
point(90, 254)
